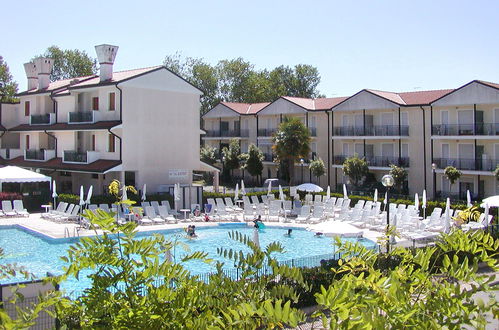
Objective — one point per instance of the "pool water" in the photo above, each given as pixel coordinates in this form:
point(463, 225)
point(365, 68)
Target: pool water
point(40, 255)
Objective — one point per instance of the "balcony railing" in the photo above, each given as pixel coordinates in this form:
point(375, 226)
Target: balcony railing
point(266, 131)
point(467, 164)
point(45, 119)
point(81, 117)
point(268, 157)
point(41, 155)
point(10, 153)
point(85, 157)
point(378, 161)
point(466, 129)
point(381, 130)
point(227, 133)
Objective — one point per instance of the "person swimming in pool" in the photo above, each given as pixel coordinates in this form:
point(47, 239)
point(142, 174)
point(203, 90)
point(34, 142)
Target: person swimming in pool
point(258, 222)
point(191, 231)
point(319, 234)
point(288, 234)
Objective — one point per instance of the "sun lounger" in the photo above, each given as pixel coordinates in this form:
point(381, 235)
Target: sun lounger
point(163, 213)
point(151, 215)
point(7, 208)
point(19, 208)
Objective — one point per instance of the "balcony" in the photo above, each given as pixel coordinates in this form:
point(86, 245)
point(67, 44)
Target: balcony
point(380, 130)
point(377, 161)
point(45, 119)
point(227, 133)
point(487, 165)
point(86, 157)
point(10, 153)
point(268, 157)
point(466, 129)
point(41, 155)
point(266, 132)
point(83, 117)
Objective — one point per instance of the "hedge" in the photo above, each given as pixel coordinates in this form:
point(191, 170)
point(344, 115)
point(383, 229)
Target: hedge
point(110, 199)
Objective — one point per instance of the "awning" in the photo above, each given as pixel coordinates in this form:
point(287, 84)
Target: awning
point(17, 174)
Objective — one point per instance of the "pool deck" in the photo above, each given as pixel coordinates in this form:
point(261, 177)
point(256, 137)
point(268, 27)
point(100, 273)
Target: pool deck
point(57, 230)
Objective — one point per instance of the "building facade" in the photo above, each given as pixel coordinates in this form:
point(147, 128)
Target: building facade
point(138, 126)
point(422, 131)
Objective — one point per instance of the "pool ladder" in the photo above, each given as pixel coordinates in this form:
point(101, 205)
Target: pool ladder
point(67, 234)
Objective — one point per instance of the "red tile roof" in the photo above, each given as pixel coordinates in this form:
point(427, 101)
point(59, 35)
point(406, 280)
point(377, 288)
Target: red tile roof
point(57, 85)
point(411, 98)
point(99, 166)
point(67, 127)
point(488, 83)
point(315, 104)
point(117, 77)
point(245, 108)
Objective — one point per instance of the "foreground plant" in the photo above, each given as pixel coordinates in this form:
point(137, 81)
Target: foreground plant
point(133, 287)
point(428, 288)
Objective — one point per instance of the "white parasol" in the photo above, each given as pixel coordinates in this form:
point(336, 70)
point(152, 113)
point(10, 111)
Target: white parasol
point(345, 194)
point(81, 196)
point(144, 191)
point(375, 198)
point(328, 193)
point(243, 190)
point(416, 201)
point(424, 203)
point(236, 192)
point(124, 196)
point(89, 194)
point(281, 193)
point(270, 188)
point(468, 198)
point(54, 192)
point(447, 216)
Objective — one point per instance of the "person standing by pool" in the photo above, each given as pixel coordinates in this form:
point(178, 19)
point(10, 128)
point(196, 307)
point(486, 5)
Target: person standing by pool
point(258, 222)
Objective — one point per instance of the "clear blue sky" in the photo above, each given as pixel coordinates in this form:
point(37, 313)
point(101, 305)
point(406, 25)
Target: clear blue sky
point(387, 45)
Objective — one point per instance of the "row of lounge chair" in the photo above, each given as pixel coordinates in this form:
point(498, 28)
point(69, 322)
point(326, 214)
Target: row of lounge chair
point(13, 209)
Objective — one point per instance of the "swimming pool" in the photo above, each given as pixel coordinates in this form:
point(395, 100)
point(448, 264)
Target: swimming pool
point(41, 255)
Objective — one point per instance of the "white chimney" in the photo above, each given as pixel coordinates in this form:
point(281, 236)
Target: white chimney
point(31, 73)
point(43, 68)
point(106, 55)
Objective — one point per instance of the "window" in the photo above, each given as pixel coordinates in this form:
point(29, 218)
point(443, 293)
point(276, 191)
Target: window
point(93, 142)
point(26, 108)
point(95, 103)
point(112, 101)
point(111, 147)
point(27, 142)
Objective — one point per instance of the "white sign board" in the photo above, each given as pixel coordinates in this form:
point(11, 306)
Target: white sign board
point(176, 175)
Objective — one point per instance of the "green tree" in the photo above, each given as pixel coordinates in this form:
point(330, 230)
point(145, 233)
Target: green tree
point(126, 289)
point(399, 175)
point(8, 87)
point(356, 169)
point(208, 154)
point(452, 174)
point(70, 63)
point(411, 289)
point(253, 161)
point(291, 142)
point(317, 168)
point(231, 156)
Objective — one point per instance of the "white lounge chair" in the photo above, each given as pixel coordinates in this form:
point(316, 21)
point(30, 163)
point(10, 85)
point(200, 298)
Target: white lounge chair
point(7, 208)
point(151, 214)
point(59, 210)
point(304, 214)
point(163, 213)
point(19, 208)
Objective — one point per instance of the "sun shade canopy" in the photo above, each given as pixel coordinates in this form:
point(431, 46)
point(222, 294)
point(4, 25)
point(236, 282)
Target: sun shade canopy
point(17, 174)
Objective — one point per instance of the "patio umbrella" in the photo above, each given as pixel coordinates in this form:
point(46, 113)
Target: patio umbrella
point(328, 193)
point(309, 187)
point(270, 188)
point(281, 193)
point(243, 190)
point(424, 203)
point(492, 201)
point(416, 201)
point(54, 192)
point(81, 196)
point(236, 192)
point(345, 194)
point(144, 191)
point(176, 194)
point(89, 194)
point(124, 196)
point(447, 216)
point(394, 225)
point(375, 198)
point(256, 237)
point(486, 211)
point(468, 198)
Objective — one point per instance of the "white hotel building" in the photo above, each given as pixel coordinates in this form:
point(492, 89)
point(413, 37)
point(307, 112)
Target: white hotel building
point(138, 126)
point(453, 127)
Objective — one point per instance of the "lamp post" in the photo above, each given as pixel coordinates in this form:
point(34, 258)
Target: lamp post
point(388, 182)
point(433, 169)
point(301, 162)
